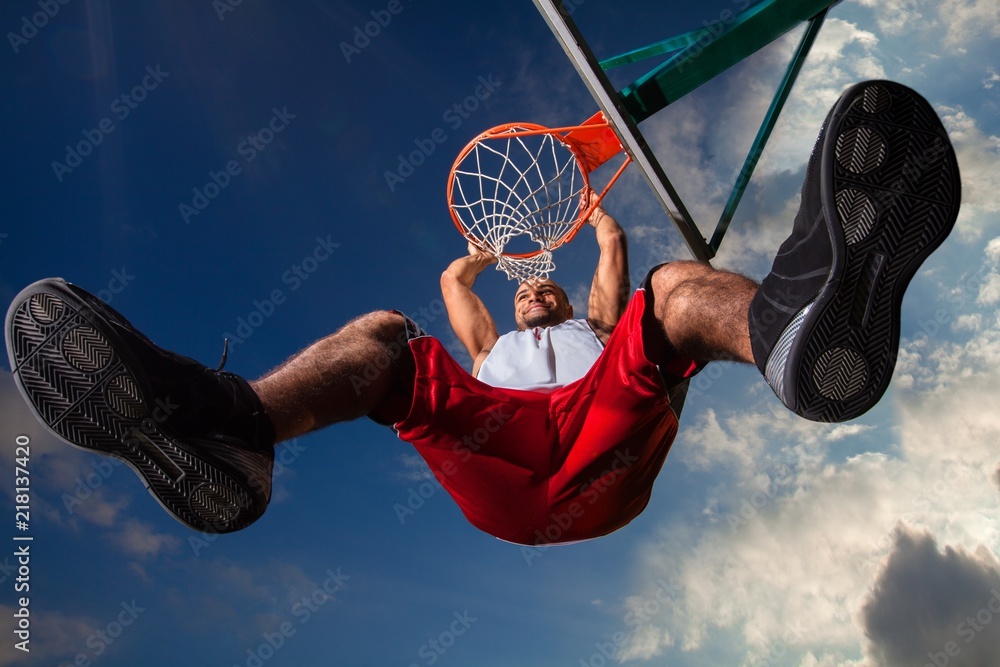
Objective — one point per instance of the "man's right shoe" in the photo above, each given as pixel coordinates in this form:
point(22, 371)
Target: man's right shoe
point(881, 192)
point(198, 438)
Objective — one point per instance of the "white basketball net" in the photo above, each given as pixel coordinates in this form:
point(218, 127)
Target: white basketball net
point(523, 189)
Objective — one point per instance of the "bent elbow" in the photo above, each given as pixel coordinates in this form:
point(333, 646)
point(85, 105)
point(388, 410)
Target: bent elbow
point(449, 280)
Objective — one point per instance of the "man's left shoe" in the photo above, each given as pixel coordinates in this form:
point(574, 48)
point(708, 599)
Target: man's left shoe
point(199, 439)
point(881, 192)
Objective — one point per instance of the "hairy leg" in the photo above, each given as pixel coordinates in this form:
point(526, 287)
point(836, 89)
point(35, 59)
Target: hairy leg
point(703, 311)
point(364, 369)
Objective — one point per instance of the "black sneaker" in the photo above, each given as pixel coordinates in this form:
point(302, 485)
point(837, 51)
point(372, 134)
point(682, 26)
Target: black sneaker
point(198, 438)
point(881, 193)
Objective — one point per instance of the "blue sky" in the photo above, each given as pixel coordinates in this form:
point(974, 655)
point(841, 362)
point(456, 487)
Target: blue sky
point(768, 540)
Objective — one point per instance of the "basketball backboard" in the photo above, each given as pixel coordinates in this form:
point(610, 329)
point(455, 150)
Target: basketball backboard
point(690, 60)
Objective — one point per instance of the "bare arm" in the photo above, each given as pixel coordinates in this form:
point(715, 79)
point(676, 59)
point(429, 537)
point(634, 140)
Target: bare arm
point(609, 291)
point(472, 323)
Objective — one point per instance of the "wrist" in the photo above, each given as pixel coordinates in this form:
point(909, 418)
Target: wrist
point(473, 266)
point(597, 217)
point(605, 223)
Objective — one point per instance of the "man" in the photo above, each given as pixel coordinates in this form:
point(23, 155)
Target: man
point(565, 429)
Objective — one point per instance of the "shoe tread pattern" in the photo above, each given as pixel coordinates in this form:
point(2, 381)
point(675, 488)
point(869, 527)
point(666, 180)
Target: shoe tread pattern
point(83, 391)
point(914, 195)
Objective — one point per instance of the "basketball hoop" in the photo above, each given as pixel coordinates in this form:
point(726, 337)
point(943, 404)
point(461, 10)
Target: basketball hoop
point(517, 190)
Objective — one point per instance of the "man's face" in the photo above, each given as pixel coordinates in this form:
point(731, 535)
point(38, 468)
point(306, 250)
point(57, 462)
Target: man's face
point(541, 303)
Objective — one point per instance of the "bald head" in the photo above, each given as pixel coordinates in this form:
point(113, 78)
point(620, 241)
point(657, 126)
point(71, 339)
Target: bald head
point(540, 303)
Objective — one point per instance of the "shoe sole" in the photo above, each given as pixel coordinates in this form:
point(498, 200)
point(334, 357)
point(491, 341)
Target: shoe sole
point(891, 191)
point(88, 392)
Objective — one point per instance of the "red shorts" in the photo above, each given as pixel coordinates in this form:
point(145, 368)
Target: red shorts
point(535, 468)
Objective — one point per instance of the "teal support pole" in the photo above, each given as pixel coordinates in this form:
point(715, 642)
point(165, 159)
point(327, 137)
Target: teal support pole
point(767, 126)
point(698, 56)
point(666, 46)
point(737, 36)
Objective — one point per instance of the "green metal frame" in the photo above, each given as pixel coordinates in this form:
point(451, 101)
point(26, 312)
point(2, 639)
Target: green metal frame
point(696, 57)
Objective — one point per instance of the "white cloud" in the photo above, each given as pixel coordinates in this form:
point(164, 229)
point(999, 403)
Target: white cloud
point(962, 22)
point(799, 537)
point(894, 16)
point(842, 431)
point(978, 156)
point(968, 20)
point(74, 483)
point(102, 508)
point(992, 78)
point(788, 562)
point(139, 539)
point(721, 120)
point(989, 293)
point(256, 597)
point(415, 469)
point(741, 442)
point(843, 54)
point(972, 322)
point(993, 250)
point(64, 636)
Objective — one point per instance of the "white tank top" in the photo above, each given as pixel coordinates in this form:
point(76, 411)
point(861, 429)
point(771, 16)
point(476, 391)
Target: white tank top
point(542, 358)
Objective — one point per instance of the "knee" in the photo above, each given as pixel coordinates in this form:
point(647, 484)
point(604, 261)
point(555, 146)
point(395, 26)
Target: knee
point(669, 276)
point(377, 321)
point(671, 284)
point(382, 325)
point(385, 341)
point(691, 289)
